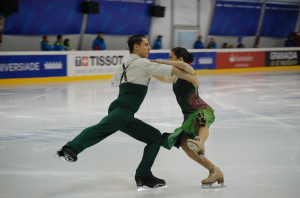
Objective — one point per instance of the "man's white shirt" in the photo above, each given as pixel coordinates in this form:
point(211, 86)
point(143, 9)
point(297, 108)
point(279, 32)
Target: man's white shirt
point(140, 71)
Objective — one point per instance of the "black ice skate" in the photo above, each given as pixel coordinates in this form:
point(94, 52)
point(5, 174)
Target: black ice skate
point(151, 182)
point(67, 154)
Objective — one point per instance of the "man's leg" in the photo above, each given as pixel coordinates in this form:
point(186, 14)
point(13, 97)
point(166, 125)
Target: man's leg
point(90, 136)
point(149, 135)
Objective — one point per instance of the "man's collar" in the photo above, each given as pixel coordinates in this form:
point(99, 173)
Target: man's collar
point(134, 56)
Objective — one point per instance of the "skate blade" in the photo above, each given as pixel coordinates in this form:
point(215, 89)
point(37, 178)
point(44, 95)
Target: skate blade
point(144, 188)
point(193, 147)
point(61, 158)
point(210, 186)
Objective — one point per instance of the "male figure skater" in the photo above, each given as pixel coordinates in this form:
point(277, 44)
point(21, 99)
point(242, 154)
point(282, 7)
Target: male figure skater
point(132, 77)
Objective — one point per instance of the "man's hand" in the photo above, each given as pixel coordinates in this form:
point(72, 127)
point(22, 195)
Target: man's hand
point(156, 61)
point(196, 83)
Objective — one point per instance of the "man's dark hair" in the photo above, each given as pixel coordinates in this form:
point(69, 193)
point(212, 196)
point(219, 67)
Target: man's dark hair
point(59, 37)
point(44, 37)
point(135, 39)
point(100, 32)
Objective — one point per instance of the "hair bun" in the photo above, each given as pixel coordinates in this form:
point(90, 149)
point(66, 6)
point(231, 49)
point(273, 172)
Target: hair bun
point(191, 57)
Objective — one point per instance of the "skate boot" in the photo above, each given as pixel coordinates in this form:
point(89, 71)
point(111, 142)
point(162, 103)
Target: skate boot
point(151, 182)
point(215, 174)
point(197, 146)
point(67, 154)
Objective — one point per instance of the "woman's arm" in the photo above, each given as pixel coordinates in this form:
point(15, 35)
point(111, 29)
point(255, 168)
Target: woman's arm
point(179, 64)
point(186, 76)
point(164, 79)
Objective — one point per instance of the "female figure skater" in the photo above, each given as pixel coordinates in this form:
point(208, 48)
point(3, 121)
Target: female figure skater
point(198, 116)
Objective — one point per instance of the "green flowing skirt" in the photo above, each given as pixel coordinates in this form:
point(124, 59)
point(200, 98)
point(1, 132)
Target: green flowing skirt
point(192, 123)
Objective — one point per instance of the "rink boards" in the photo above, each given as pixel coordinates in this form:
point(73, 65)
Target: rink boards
point(22, 67)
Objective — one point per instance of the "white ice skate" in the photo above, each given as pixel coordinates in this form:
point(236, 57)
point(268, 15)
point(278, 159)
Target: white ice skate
point(197, 146)
point(215, 174)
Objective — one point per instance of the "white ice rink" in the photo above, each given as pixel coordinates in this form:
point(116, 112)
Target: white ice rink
point(255, 139)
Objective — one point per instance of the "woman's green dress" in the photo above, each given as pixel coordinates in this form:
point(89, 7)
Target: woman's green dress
point(195, 111)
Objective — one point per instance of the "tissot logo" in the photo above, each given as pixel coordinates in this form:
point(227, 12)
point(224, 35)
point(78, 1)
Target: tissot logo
point(98, 60)
point(81, 61)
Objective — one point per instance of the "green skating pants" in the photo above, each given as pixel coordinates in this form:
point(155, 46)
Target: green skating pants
point(123, 120)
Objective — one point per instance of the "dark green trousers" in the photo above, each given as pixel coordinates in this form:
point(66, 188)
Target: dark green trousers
point(123, 120)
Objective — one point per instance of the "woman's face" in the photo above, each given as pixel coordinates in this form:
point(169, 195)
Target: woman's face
point(173, 57)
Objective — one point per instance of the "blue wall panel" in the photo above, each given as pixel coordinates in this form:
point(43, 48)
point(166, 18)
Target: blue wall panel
point(121, 18)
point(47, 17)
point(235, 18)
point(279, 20)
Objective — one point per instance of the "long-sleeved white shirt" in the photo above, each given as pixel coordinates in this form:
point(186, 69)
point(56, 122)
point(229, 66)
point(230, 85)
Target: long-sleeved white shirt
point(140, 71)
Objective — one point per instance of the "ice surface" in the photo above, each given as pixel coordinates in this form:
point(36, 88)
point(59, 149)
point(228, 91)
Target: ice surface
point(255, 139)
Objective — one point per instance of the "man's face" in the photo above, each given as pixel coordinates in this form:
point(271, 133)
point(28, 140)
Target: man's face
point(200, 38)
point(100, 35)
point(143, 50)
point(47, 39)
point(61, 39)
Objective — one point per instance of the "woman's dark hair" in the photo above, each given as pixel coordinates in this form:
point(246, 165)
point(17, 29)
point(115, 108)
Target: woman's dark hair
point(182, 52)
point(66, 42)
point(135, 39)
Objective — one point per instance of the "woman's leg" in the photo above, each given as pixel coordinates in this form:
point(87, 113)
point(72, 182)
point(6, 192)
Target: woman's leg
point(215, 174)
point(206, 163)
point(203, 133)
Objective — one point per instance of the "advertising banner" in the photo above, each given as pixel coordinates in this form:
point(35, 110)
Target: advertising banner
point(87, 64)
point(282, 58)
point(202, 60)
point(227, 60)
point(158, 56)
point(28, 66)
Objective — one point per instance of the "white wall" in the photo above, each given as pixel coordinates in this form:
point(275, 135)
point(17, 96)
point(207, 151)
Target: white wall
point(271, 42)
point(159, 26)
point(206, 11)
point(32, 43)
point(111, 42)
point(162, 26)
point(232, 40)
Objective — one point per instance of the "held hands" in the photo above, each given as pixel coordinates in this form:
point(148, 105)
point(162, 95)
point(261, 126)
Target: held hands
point(195, 83)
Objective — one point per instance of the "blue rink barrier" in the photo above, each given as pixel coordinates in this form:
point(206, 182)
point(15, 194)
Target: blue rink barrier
point(28, 66)
point(202, 60)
